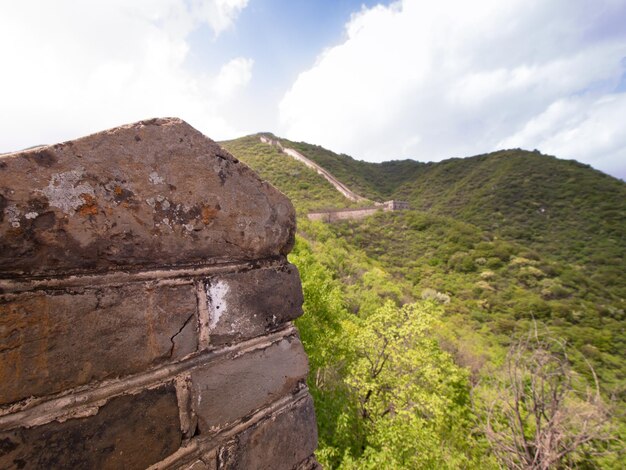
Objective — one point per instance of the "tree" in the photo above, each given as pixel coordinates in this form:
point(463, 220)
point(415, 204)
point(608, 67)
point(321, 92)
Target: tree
point(413, 399)
point(544, 414)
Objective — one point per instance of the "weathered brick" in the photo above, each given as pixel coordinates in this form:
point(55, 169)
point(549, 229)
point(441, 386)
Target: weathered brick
point(248, 304)
point(52, 341)
point(280, 442)
point(128, 432)
point(150, 194)
point(309, 464)
point(230, 390)
point(89, 233)
point(208, 462)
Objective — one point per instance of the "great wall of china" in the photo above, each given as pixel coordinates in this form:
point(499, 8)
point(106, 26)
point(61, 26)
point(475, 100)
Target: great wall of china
point(332, 215)
point(146, 307)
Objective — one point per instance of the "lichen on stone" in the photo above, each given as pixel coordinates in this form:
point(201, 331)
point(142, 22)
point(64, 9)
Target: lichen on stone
point(66, 191)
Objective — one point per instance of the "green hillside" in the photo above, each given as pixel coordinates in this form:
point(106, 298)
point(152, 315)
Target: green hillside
point(494, 246)
point(306, 189)
point(376, 181)
point(497, 284)
point(558, 207)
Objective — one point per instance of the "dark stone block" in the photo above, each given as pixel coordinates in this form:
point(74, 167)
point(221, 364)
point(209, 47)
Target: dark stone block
point(150, 194)
point(280, 442)
point(227, 391)
point(252, 303)
point(52, 341)
point(129, 432)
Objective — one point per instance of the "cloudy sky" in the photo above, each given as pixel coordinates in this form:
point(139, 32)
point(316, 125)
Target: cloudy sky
point(376, 80)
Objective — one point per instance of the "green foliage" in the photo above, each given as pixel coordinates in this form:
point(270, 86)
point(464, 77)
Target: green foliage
point(384, 389)
point(376, 181)
point(561, 209)
point(306, 189)
point(493, 244)
point(496, 283)
point(322, 329)
point(413, 398)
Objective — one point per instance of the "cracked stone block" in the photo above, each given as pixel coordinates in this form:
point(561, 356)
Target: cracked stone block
point(230, 390)
point(55, 340)
point(200, 465)
point(110, 249)
point(129, 432)
point(252, 303)
point(309, 464)
point(150, 194)
point(284, 441)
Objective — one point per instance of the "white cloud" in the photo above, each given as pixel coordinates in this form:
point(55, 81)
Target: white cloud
point(589, 130)
point(433, 80)
point(233, 76)
point(219, 14)
point(71, 68)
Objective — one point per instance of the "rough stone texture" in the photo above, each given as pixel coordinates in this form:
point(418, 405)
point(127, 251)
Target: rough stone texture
point(248, 304)
point(227, 391)
point(129, 432)
point(338, 185)
point(202, 465)
point(153, 193)
point(281, 442)
point(309, 464)
point(346, 214)
point(145, 301)
point(333, 216)
point(51, 341)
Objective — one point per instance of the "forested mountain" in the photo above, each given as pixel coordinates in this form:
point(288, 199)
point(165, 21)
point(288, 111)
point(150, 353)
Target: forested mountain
point(562, 207)
point(376, 181)
point(306, 189)
point(409, 315)
point(559, 207)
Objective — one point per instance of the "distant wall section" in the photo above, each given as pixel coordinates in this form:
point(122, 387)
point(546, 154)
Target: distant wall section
point(335, 215)
point(346, 214)
point(338, 185)
point(146, 307)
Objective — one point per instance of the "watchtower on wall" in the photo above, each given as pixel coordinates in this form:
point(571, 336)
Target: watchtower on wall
point(395, 205)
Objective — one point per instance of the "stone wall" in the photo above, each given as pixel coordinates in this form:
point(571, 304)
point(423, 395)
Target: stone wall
point(335, 215)
point(338, 185)
point(343, 214)
point(146, 307)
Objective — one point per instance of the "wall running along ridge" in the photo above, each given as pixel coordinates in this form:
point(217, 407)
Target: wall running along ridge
point(334, 215)
point(146, 307)
point(338, 185)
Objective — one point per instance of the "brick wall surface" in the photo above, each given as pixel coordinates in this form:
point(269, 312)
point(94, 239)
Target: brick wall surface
point(146, 307)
